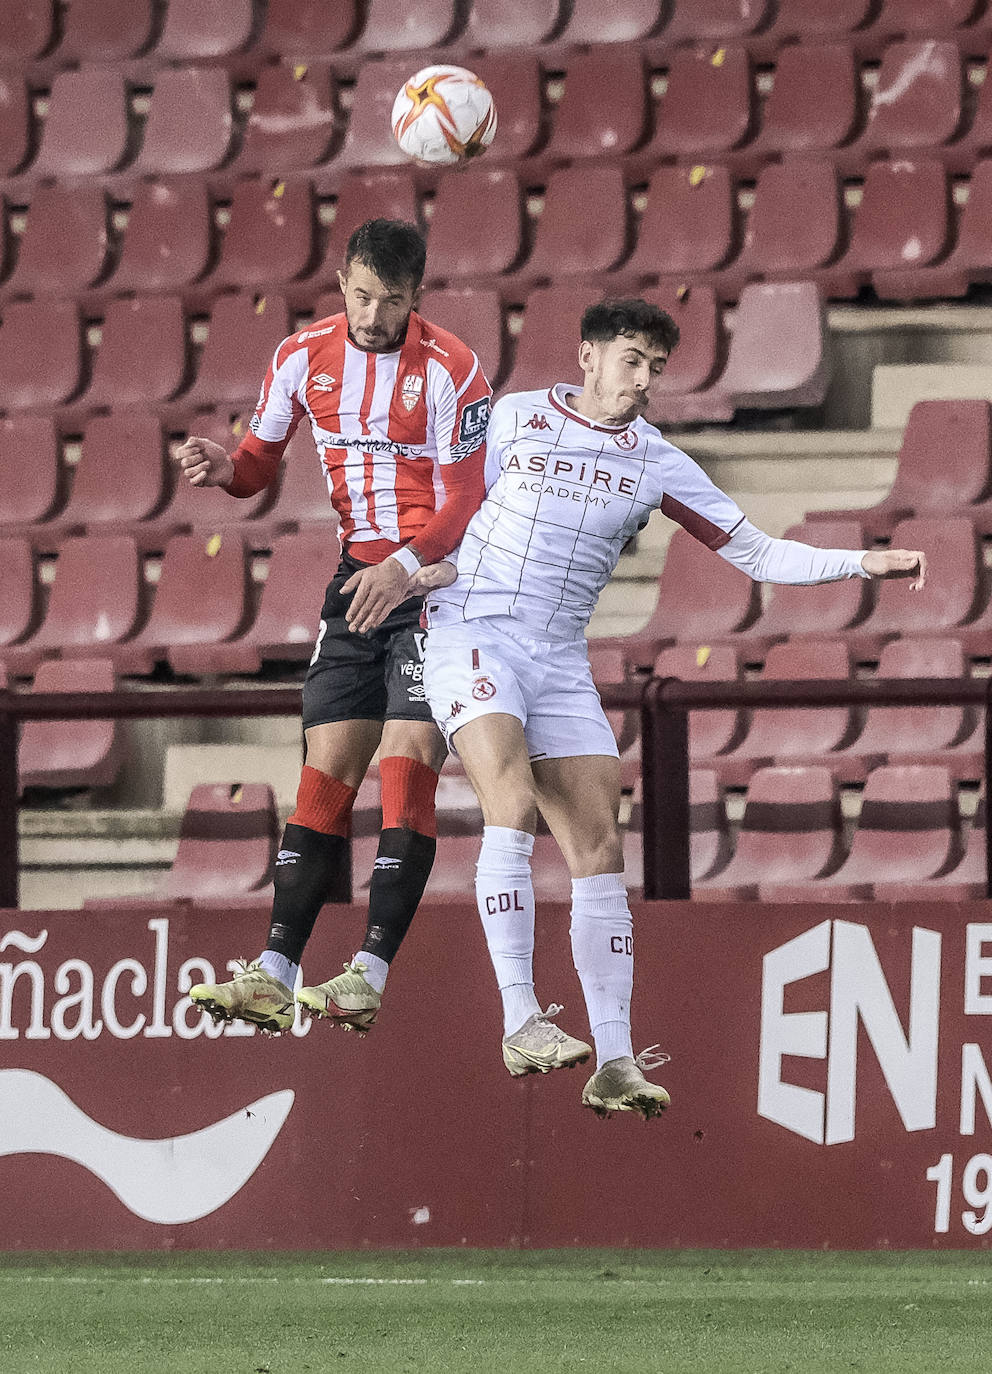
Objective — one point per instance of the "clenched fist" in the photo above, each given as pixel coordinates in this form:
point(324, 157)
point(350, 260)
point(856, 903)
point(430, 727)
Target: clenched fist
point(204, 463)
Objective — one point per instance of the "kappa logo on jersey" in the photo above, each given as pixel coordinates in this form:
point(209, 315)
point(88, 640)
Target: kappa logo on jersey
point(483, 689)
point(537, 422)
point(315, 333)
point(474, 421)
point(322, 382)
point(627, 440)
point(456, 709)
point(413, 386)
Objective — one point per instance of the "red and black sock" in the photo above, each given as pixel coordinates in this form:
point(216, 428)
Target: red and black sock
point(406, 853)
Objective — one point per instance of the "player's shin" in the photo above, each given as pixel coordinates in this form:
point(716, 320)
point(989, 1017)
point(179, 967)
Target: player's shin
point(505, 895)
point(603, 954)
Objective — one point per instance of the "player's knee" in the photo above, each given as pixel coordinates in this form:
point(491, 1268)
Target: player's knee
point(512, 804)
point(599, 851)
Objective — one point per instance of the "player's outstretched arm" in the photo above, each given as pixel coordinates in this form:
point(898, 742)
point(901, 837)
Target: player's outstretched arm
point(897, 563)
point(204, 463)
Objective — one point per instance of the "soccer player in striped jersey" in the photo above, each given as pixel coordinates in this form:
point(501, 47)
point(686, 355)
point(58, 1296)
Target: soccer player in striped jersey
point(398, 409)
point(572, 474)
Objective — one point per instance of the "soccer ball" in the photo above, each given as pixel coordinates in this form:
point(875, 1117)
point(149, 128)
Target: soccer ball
point(444, 115)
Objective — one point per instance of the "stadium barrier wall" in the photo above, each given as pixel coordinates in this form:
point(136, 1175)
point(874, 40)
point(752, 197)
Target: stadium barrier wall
point(831, 1081)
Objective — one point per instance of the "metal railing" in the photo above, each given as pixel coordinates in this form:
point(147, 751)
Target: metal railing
point(664, 705)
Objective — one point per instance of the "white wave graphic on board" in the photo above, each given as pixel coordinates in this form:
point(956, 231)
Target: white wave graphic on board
point(180, 1178)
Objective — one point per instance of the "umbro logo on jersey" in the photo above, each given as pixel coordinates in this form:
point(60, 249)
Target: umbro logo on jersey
point(413, 385)
point(322, 382)
point(627, 440)
point(286, 856)
point(537, 422)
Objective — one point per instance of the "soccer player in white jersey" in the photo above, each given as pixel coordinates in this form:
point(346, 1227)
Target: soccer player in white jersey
point(398, 410)
point(571, 474)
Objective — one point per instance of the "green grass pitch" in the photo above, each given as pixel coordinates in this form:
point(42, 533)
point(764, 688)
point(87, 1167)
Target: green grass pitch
point(509, 1312)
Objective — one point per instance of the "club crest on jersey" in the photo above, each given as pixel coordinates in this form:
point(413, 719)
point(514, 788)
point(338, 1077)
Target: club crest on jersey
point(627, 440)
point(413, 385)
point(537, 422)
point(483, 689)
point(323, 382)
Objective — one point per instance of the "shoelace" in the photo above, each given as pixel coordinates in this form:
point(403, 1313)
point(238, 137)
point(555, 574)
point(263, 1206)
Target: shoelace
point(545, 1018)
point(648, 1060)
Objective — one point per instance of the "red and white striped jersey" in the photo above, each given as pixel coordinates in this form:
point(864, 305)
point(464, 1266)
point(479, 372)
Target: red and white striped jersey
point(400, 435)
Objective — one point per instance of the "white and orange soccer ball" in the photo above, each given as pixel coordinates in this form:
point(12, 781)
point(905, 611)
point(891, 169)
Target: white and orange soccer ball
point(444, 115)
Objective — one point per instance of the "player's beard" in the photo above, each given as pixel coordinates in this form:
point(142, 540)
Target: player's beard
point(382, 343)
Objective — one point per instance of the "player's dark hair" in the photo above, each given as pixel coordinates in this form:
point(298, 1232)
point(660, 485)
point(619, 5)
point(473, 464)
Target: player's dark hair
point(607, 320)
point(394, 250)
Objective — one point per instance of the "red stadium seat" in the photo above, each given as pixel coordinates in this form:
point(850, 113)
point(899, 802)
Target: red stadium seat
point(86, 129)
point(63, 248)
point(96, 601)
point(707, 109)
point(369, 141)
point(701, 598)
point(779, 243)
point(811, 19)
point(966, 881)
point(688, 226)
point(605, 111)
point(201, 600)
point(625, 21)
point(191, 33)
point(78, 753)
point(969, 262)
point(456, 252)
point(244, 333)
point(227, 842)
point(106, 30)
point(908, 831)
point(715, 21)
point(790, 833)
point(927, 18)
point(511, 23)
point(122, 445)
point(904, 221)
point(31, 473)
point(292, 120)
point(778, 354)
point(19, 603)
point(697, 359)
point(548, 345)
point(270, 239)
point(567, 245)
point(517, 85)
point(190, 123)
point(813, 104)
point(945, 465)
point(380, 195)
point(414, 27)
point(15, 121)
point(474, 316)
point(286, 624)
point(142, 354)
point(26, 31)
point(167, 242)
point(710, 732)
point(786, 736)
point(311, 30)
point(917, 104)
point(40, 354)
point(709, 832)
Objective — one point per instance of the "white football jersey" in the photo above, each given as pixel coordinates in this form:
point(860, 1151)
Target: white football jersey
point(564, 495)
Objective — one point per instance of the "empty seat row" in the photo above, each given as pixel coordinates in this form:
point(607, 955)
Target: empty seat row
point(710, 106)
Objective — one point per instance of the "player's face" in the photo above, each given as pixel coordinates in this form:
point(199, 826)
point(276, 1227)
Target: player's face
point(377, 313)
point(619, 377)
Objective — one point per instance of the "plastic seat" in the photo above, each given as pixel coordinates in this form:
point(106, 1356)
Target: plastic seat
point(64, 245)
point(369, 141)
point(688, 226)
point(625, 21)
point(605, 111)
point(904, 221)
point(917, 103)
point(707, 109)
point(713, 21)
point(827, 610)
point(924, 17)
point(813, 104)
point(19, 604)
point(713, 731)
point(292, 122)
point(31, 473)
point(41, 362)
point(688, 391)
point(456, 251)
point(191, 33)
point(969, 262)
point(784, 736)
point(310, 30)
point(709, 832)
point(227, 842)
point(908, 830)
point(811, 19)
point(517, 85)
point(417, 25)
point(548, 345)
point(86, 130)
point(142, 355)
point(476, 317)
point(966, 881)
point(945, 465)
point(201, 600)
point(96, 601)
point(511, 23)
point(243, 336)
point(790, 833)
point(701, 598)
point(270, 236)
point(285, 626)
point(115, 445)
point(567, 245)
point(379, 195)
point(15, 121)
point(779, 243)
point(26, 31)
point(778, 356)
point(167, 242)
point(77, 753)
point(190, 122)
point(106, 30)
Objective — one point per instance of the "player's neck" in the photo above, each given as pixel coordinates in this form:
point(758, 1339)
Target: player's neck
point(588, 407)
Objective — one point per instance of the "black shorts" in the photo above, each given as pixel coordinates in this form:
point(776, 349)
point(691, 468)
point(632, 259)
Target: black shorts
point(374, 676)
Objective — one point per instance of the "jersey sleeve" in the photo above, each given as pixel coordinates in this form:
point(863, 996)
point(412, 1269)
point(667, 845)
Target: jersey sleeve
point(278, 412)
point(695, 502)
point(767, 559)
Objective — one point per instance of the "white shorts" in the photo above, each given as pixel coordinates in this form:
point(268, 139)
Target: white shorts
point(479, 669)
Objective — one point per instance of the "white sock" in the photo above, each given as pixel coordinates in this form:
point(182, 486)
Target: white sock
point(376, 969)
point(280, 967)
point(504, 891)
point(602, 934)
